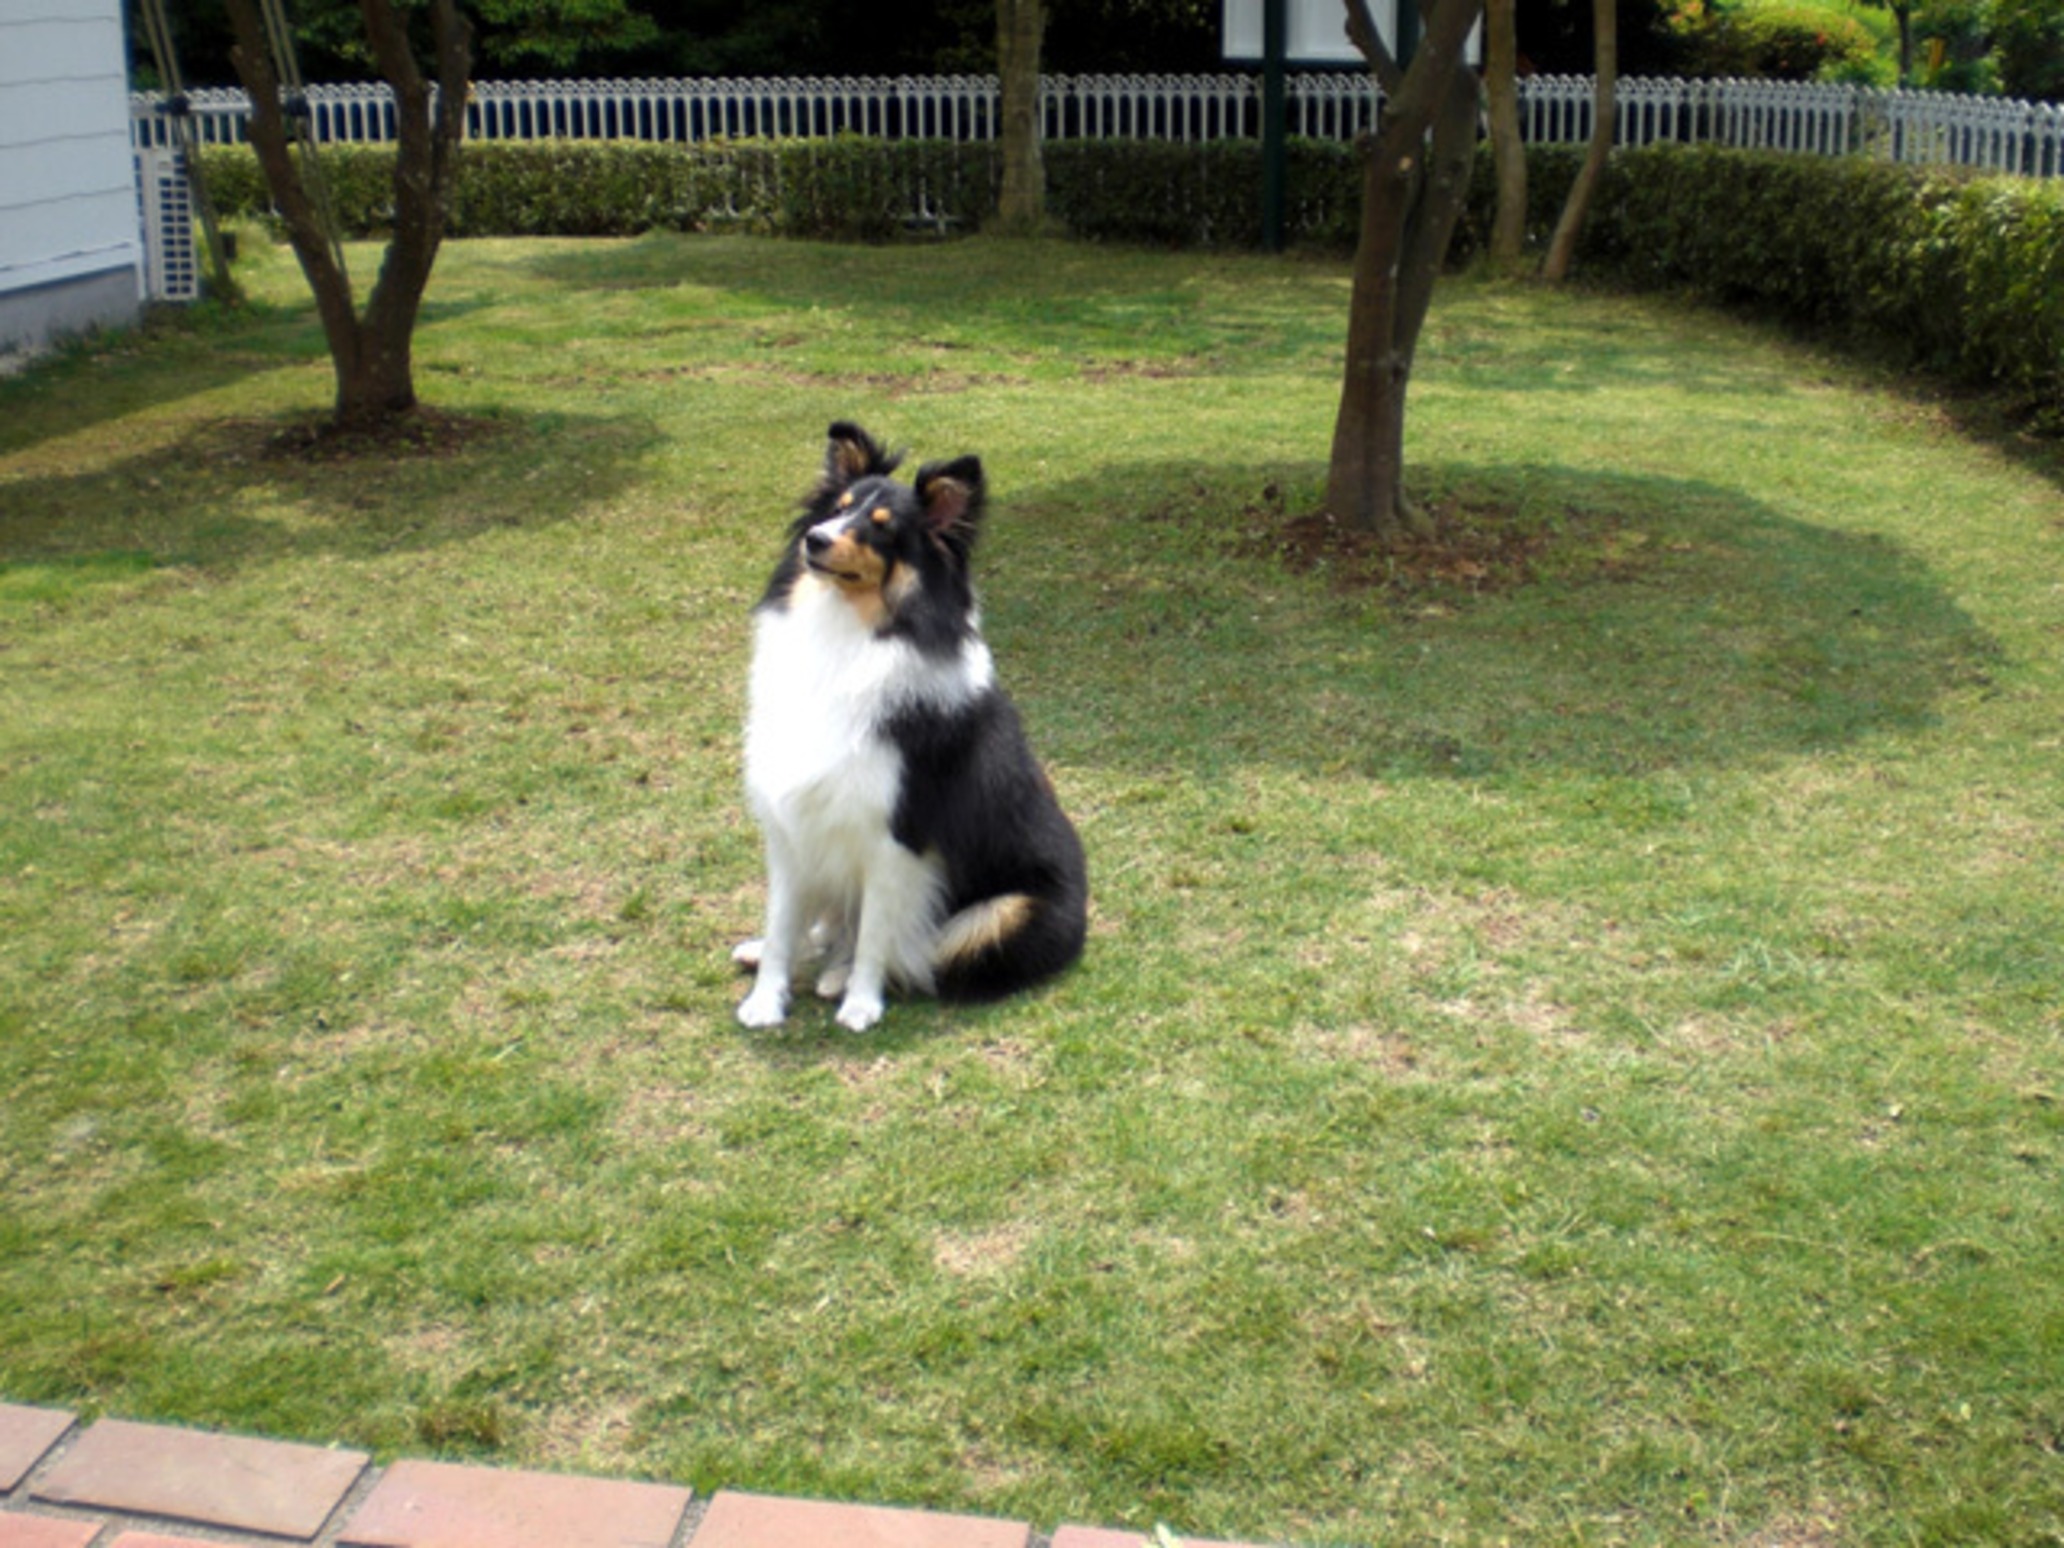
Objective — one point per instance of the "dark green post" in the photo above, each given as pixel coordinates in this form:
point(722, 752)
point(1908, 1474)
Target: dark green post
point(1275, 43)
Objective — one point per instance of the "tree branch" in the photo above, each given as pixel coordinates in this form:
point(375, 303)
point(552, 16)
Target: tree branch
point(1362, 33)
point(392, 55)
point(1446, 190)
point(1425, 85)
point(252, 58)
point(425, 161)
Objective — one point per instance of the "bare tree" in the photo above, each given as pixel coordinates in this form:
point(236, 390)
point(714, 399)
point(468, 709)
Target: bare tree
point(1021, 204)
point(1562, 247)
point(371, 351)
point(1508, 151)
point(1414, 179)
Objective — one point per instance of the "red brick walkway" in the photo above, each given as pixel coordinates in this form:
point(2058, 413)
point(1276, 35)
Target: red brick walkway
point(113, 1484)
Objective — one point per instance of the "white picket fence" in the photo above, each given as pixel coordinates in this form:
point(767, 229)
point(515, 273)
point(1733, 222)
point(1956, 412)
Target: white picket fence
point(1988, 133)
point(1992, 134)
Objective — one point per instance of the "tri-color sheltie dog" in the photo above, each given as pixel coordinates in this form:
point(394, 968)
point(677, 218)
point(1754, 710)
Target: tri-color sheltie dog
point(912, 840)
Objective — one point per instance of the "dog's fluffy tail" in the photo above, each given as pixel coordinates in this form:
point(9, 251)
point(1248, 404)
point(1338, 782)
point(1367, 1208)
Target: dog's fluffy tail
point(1006, 943)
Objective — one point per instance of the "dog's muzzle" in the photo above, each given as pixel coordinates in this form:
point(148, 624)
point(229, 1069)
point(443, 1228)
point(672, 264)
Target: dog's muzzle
point(835, 554)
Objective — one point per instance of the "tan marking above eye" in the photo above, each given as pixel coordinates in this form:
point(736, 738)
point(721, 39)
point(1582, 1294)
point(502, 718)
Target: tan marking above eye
point(880, 516)
point(845, 500)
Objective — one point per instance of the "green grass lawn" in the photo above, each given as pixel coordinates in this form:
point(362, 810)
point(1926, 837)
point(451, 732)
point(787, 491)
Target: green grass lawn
point(1579, 1064)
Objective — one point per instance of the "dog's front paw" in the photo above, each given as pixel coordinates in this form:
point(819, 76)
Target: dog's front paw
point(858, 1012)
point(766, 1006)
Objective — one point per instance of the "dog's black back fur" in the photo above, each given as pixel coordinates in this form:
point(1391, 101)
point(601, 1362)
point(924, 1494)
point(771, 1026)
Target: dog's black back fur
point(972, 793)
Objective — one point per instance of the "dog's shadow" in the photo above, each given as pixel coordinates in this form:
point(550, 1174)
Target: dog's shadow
point(811, 1038)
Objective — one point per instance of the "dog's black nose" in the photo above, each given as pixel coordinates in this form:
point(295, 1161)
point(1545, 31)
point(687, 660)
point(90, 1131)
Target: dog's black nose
point(815, 541)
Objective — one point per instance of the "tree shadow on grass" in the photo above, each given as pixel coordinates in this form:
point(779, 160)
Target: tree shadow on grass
point(175, 354)
point(1666, 624)
point(230, 493)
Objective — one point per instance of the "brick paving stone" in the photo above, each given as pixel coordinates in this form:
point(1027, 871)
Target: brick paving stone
point(737, 1520)
point(24, 1531)
point(445, 1505)
point(25, 1434)
point(276, 1487)
point(1105, 1537)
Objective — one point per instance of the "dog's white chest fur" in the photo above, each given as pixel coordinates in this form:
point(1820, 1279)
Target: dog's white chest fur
point(821, 686)
point(819, 768)
point(823, 777)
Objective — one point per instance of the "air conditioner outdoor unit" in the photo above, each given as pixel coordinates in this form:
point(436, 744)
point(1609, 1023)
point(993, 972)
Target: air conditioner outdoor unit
point(171, 255)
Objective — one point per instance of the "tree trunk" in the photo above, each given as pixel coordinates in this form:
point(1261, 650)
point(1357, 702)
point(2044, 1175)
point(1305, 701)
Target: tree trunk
point(378, 384)
point(1414, 180)
point(1562, 249)
point(1021, 205)
point(1365, 479)
point(1508, 151)
point(372, 354)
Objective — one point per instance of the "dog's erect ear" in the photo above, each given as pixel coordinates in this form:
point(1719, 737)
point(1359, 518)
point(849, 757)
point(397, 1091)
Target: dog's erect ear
point(951, 494)
point(852, 453)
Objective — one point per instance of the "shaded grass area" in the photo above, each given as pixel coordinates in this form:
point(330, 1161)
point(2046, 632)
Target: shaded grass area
point(1571, 1062)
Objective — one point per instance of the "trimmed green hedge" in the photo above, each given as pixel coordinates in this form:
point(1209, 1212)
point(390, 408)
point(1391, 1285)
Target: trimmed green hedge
point(1164, 194)
point(1145, 191)
point(1957, 273)
point(846, 188)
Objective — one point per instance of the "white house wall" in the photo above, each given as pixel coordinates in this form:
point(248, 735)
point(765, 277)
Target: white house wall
point(70, 248)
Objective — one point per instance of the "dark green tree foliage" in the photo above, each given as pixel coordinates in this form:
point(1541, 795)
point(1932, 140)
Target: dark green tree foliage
point(513, 38)
point(1778, 42)
point(2028, 46)
point(1953, 47)
point(535, 39)
point(518, 39)
point(1555, 37)
point(810, 37)
point(922, 37)
point(2013, 46)
point(1145, 37)
point(557, 35)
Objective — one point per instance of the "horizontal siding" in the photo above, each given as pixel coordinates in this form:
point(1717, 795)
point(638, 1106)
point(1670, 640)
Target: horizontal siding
point(49, 116)
point(44, 43)
point(67, 183)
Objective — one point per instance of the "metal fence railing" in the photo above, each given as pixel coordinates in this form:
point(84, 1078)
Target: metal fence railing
point(1987, 133)
point(1992, 134)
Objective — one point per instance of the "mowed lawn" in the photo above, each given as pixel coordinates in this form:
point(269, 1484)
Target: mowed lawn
point(1580, 1062)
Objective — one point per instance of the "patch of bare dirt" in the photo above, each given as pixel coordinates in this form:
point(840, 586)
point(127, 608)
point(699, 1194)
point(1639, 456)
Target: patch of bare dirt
point(422, 432)
point(1476, 548)
point(982, 1254)
point(1149, 370)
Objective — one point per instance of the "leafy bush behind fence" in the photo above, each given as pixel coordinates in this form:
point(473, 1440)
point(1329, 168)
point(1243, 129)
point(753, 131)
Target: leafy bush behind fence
point(1958, 273)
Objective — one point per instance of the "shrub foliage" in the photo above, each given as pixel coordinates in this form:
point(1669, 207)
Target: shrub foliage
point(1787, 42)
point(1953, 272)
point(1956, 273)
